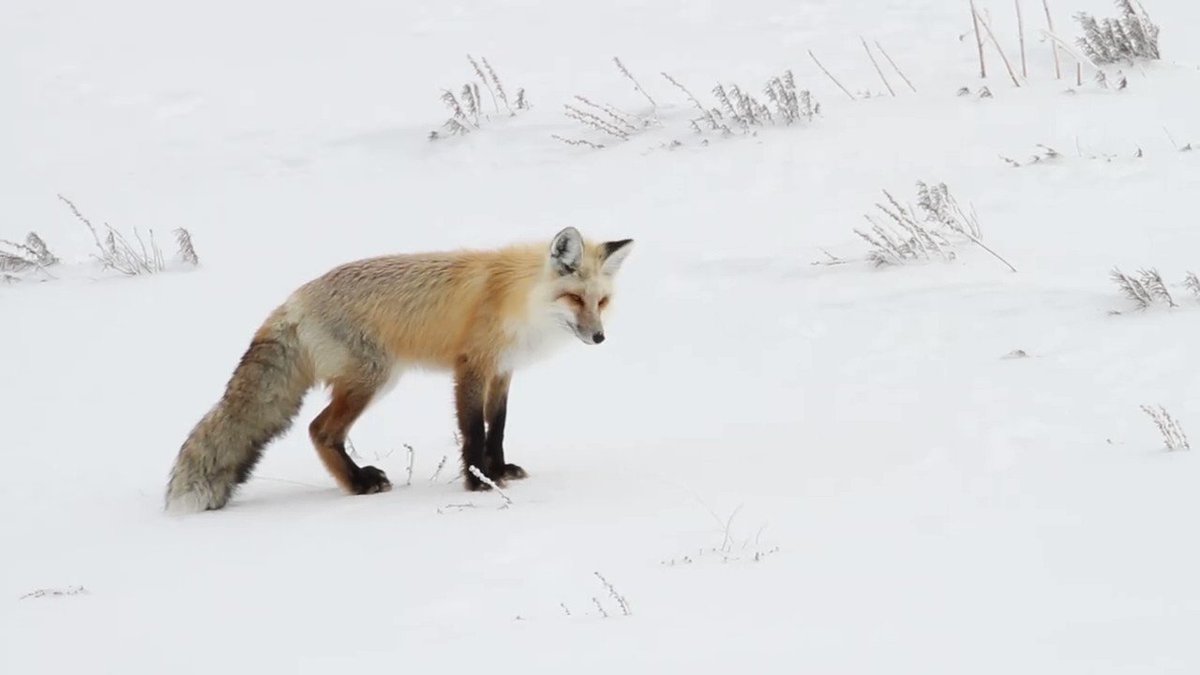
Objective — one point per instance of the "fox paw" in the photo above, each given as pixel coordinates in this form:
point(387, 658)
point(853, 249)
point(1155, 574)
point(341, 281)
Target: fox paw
point(473, 484)
point(371, 480)
point(511, 472)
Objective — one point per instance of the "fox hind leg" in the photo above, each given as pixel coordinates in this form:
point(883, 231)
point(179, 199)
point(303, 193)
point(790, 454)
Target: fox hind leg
point(328, 432)
point(495, 414)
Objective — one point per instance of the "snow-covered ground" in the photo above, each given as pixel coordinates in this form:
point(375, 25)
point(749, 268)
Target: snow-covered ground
point(781, 466)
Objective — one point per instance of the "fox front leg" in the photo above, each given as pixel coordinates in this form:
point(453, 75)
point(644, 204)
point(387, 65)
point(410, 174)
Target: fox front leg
point(495, 413)
point(470, 391)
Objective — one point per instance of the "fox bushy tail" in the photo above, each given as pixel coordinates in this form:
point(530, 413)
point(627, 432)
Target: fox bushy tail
point(261, 398)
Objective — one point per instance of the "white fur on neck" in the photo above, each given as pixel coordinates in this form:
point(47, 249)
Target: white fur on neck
point(533, 339)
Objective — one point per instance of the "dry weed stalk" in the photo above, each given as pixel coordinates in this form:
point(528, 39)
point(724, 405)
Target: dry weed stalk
point(1053, 44)
point(996, 43)
point(1021, 37)
point(894, 66)
point(978, 40)
point(636, 85)
point(1169, 427)
point(877, 68)
point(830, 75)
point(612, 592)
point(116, 252)
point(466, 108)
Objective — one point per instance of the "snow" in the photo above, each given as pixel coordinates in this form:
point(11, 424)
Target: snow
point(903, 498)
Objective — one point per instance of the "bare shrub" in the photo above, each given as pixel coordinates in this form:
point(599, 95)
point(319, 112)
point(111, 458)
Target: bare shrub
point(737, 108)
point(467, 108)
point(614, 123)
point(1128, 37)
point(141, 255)
point(924, 233)
point(33, 254)
point(1146, 288)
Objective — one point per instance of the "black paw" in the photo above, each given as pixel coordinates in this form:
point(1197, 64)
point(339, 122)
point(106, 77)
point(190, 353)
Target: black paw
point(475, 483)
point(371, 480)
point(512, 472)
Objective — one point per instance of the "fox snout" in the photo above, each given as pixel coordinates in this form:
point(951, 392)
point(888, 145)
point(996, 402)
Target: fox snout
point(591, 338)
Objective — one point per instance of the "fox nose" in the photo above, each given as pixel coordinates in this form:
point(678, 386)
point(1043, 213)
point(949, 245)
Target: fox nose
point(598, 337)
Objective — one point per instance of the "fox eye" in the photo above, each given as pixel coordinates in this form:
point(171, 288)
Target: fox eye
point(603, 302)
point(573, 299)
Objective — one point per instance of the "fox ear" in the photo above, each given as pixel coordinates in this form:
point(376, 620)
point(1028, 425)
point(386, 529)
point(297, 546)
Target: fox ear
point(566, 251)
point(614, 253)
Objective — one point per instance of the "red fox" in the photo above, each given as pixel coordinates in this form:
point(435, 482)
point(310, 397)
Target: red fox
point(478, 314)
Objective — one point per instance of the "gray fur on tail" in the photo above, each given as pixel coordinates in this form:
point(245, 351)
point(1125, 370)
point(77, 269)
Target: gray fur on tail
point(262, 397)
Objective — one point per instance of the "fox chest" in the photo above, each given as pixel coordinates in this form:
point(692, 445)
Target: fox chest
point(532, 341)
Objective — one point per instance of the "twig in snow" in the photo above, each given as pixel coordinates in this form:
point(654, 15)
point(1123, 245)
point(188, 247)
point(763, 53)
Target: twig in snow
point(411, 457)
point(830, 75)
point(499, 85)
point(978, 40)
point(636, 85)
point(492, 484)
point(992, 36)
point(621, 602)
point(1053, 44)
point(438, 471)
point(594, 121)
point(578, 141)
point(54, 592)
point(705, 114)
point(894, 66)
point(877, 68)
point(1021, 36)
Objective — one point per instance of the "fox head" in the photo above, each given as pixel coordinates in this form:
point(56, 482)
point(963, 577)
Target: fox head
point(582, 276)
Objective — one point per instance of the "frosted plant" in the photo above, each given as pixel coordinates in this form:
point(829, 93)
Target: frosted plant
point(467, 111)
point(187, 252)
point(1192, 283)
point(33, 254)
point(608, 119)
point(136, 256)
point(1169, 427)
point(738, 108)
point(922, 234)
point(1128, 37)
point(1146, 287)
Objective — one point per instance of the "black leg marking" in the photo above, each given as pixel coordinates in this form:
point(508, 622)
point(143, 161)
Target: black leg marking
point(497, 415)
point(469, 393)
